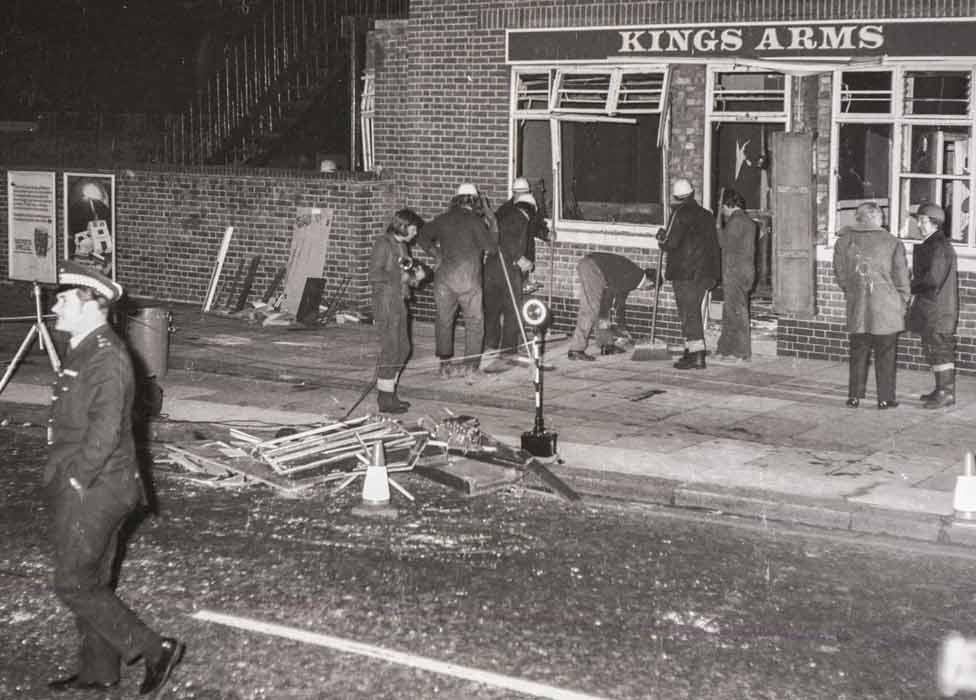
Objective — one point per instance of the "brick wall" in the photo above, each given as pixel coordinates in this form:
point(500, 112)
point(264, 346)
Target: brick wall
point(170, 223)
point(824, 336)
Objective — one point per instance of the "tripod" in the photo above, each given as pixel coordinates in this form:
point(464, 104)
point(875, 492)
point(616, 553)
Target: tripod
point(39, 331)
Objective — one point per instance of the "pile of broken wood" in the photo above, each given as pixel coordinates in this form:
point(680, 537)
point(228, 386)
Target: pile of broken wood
point(295, 462)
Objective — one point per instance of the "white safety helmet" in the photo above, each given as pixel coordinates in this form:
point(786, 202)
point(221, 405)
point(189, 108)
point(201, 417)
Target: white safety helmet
point(526, 197)
point(520, 185)
point(466, 188)
point(681, 188)
point(328, 166)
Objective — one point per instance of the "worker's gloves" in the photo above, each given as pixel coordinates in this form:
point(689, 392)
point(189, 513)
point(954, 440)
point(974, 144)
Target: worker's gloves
point(524, 264)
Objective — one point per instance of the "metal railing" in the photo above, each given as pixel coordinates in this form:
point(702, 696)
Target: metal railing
point(279, 59)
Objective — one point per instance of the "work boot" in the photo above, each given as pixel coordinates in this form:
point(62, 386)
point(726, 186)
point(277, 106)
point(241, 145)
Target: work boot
point(388, 402)
point(692, 360)
point(945, 390)
point(931, 395)
point(396, 397)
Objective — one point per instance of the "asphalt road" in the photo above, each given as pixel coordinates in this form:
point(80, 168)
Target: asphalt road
point(498, 596)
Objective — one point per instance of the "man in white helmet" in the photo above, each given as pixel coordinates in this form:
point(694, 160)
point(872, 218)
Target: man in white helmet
point(693, 267)
point(518, 223)
point(457, 241)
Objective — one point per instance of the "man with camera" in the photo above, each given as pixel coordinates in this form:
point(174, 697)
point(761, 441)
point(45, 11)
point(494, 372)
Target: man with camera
point(457, 241)
point(392, 272)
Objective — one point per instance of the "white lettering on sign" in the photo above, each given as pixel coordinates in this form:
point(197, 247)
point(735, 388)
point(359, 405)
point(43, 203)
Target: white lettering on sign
point(810, 38)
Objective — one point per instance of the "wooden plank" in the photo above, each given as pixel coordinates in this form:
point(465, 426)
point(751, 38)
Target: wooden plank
point(309, 245)
point(248, 283)
point(279, 276)
point(215, 276)
point(794, 225)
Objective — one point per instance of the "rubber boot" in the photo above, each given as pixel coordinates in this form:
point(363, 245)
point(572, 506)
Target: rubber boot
point(396, 397)
point(693, 360)
point(945, 392)
point(388, 403)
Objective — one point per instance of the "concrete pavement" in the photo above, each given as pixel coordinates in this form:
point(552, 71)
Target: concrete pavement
point(769, 439)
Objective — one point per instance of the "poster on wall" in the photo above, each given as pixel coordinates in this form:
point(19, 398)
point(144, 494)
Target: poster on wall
point(89, 220)
point(30, 227)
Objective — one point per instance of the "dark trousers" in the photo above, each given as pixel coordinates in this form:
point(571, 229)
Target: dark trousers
point(736, 338)
point(939, 349)
point(885, 348)
point(501, 314)
point(688, 296)
point(390, 319)
point(86, 536)
point(447, 300)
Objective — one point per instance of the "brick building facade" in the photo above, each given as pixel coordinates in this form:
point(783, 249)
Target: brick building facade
point(462, 88)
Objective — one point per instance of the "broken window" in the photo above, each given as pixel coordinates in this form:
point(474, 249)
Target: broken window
point(749, 92)
point(599, 128)
point(367, 114)
point(904, 138)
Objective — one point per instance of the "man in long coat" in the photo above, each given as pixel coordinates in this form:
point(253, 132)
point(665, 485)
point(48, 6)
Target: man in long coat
point(737, 239)
point(871, 268)
point(935, 305)
point(92, 481)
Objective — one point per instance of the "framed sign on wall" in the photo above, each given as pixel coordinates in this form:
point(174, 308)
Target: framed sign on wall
point(89, 220)
point(30, 227)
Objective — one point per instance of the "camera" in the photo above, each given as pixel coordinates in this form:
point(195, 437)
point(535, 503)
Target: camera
point(416, 271)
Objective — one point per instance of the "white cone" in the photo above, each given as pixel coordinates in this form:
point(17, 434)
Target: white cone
point(964, 497)
point(376, 485)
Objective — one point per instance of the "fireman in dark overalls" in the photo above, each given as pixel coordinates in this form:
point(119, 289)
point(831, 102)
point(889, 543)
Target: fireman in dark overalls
point(392, 271)
point(92, 481)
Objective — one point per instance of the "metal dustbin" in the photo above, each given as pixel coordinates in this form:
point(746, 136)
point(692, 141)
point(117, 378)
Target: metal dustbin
point(148, 331)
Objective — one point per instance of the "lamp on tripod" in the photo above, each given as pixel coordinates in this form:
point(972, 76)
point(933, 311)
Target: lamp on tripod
point(39, 331)
point(538, 442)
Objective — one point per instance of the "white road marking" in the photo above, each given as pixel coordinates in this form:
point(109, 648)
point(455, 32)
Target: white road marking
point(463, 672)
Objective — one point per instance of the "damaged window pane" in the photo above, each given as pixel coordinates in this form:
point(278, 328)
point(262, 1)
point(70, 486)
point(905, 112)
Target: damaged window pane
point(612, 172)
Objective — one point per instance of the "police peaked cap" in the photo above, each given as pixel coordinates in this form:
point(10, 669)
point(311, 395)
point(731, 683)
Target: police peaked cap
point(73, 274)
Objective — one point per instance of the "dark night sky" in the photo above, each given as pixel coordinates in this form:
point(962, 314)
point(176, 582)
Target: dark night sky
point(108, 55)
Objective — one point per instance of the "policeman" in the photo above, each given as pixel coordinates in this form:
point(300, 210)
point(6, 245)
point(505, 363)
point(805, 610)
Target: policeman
point(92, 481)
point(935, 304)
point(693, 267)
point(457, 241)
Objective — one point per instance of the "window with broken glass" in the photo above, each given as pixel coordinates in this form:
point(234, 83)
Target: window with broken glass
point(902, 138)
point(594, 138)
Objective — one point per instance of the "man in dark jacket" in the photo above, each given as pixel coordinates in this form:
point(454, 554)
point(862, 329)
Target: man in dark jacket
point(518, 225)
point(737, 239)
point(92, 480)
point(870, 267)
point(457, 241)
point(935, 304)
point(693, 267)
point(605, 280)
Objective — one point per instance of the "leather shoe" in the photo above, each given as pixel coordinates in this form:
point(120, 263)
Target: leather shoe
point(158, 672)
point(580, 355)
point(882, 405)
point(853, 403)
point(74, 683)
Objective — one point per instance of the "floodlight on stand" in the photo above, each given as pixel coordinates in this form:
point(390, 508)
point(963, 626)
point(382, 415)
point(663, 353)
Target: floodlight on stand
point(538, 442)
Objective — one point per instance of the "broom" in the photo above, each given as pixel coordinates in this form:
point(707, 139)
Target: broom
point(653, 350)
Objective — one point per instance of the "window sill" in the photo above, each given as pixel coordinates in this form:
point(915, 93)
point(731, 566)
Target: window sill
point(594, 234)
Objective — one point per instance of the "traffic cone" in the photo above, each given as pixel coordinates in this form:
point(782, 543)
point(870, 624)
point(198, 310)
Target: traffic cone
point(957, 665)
point(376, 487)
point(964, 497)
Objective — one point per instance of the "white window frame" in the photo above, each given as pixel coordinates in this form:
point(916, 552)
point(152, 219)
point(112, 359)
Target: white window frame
point(571, 230)
point(367, 120)
point(898, 119)
point(713, 116)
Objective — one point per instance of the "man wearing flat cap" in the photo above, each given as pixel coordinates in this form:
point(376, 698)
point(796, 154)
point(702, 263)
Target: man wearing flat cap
point(92, 481)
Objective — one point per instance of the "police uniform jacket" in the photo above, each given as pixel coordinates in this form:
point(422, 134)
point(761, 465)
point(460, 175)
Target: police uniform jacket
point(513, 241)
point(935, 308)
point(90, 427)
point(692, 244)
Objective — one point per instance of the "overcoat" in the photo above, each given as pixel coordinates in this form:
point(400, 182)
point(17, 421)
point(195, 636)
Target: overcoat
point(935, 308)
point(871, 268)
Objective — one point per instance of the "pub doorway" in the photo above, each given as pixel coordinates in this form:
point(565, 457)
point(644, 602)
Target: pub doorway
point(741, 156)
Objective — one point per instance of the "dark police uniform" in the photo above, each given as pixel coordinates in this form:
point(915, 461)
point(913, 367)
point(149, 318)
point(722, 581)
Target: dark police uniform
point(515, 238)
point(93, 483)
